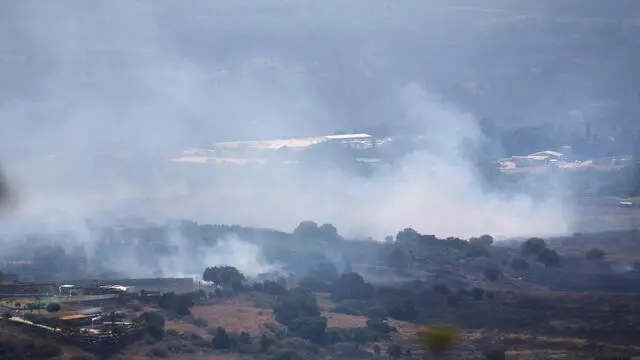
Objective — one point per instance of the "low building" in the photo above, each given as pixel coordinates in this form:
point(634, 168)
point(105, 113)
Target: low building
point(28, 288)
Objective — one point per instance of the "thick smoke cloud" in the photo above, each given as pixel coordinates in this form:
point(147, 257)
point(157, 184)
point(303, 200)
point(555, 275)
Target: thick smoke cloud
point(143, 80)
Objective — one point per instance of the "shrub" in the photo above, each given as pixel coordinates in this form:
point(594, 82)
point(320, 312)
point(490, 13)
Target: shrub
point(549, 258)
point(159, 350)
point(519, 264)
point(153, 322)
point(533, 246)
point(286, 354)
point(441, 289)
point(314, 284)
point(595, 255)
point(477, 250)
point(221, 340)
point(297, 303)
point(357, 335)
point(266, 341)
point(380, 327)
point(244, 338)
point(53, 307)
point(200, 322)
point(350, 307)
point(313, 329)
point(438, 338)
point(176, 304)
point(376, 312)
point(351, 286)
point(477, 293)
point(492, 274)
point(401, 308)
point(494, 353)
point(394, 351)
point(273, 287)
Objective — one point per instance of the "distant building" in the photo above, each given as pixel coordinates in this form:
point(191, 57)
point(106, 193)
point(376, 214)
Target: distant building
point(31, 288)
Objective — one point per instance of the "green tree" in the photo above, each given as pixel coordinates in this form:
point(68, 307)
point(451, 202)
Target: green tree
point(492, 273)
point(53, 307)
point(153, 322)
point(227, 276)
point(484, 240)
point(351, 286)
point(313, 329)
point(519, 264)
point(297, 303)
point(244, 338)
point(408, 236)
point(549, 258)
point(532, 246)
point(397, 258)
point(221, 340)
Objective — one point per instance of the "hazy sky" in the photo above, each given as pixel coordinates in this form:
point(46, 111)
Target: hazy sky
point(197, 70)
point(78, 77)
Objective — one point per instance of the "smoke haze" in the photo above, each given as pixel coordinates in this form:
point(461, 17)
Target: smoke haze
point(155, 78)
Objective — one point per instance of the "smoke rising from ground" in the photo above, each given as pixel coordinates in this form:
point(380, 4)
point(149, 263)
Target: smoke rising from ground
point(126, 77)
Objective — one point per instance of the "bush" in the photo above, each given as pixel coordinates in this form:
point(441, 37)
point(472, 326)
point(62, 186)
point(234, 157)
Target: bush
point(549, 258)
point(351, 286)
point(477, 293)
point(159, 350)
point(273, 288)
point(492, 274)
point(286, 354)
point(357, 335)
point(380, 327)
point(221, 340)
point(313, 329)
point(200, 322)
point(394, 351)
point(177, 304)
point(401, 308)
point(153, 322)
point(266, 341)
point(438, 338)
point(519, 264)
point(494, 353)
point(533, 246)
point(441, 289)
point(477, 250)
point(376, 312)
point(595, 255)
point(350, 307)
point(314, 284)
point(244, 338)
point(297, 303)
point(53, 307)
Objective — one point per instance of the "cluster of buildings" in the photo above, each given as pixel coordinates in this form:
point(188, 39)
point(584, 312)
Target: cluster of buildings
point(548, 159)
point(260, 151)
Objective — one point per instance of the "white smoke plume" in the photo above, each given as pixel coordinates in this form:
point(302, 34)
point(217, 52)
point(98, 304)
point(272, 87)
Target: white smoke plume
point(140, 77)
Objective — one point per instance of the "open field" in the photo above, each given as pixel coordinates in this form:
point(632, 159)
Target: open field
point(235, 315)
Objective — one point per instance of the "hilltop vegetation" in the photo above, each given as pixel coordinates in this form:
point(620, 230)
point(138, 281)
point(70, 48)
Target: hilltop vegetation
point(366, 297)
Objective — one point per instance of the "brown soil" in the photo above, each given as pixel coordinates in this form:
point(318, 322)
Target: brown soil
point(235, 315)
